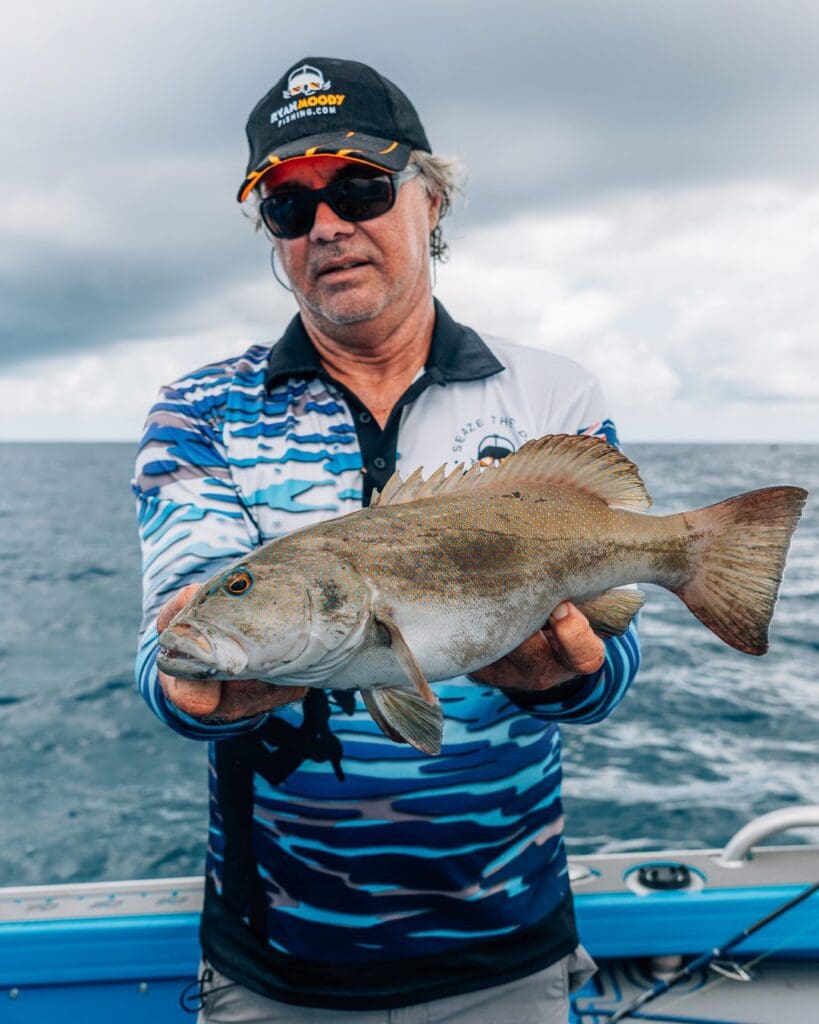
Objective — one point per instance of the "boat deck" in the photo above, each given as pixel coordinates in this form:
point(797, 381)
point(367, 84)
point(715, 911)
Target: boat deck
point(779, 992)
point(125, 951)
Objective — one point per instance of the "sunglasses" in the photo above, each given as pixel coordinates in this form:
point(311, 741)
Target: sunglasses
point(291, 212)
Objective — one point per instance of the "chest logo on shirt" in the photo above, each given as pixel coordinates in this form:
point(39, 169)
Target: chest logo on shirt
point(488, 439)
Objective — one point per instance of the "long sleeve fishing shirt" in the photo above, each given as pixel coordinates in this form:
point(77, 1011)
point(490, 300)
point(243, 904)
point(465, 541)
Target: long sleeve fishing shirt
point(345, 870)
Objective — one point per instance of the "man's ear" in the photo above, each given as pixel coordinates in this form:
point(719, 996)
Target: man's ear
point(434, 211)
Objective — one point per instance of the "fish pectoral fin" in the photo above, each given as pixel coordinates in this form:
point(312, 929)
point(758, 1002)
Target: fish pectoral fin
point(611, 612)
point(408, 716)
point(404, 716)
point(405, 657)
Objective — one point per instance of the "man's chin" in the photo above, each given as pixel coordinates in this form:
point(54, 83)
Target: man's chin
point(345, 309)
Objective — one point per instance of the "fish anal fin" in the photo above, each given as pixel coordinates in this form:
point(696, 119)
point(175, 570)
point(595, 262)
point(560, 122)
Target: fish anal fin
point(404, 656)
point(611, 612)
point(404, 716)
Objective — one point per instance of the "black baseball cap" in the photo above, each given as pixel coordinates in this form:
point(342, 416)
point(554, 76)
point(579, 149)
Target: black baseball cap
point(327, 107)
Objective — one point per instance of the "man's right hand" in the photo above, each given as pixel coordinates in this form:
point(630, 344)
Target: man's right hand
point(219, 701)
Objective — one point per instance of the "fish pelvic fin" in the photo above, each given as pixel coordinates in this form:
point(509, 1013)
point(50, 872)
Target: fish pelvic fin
point(404, 716)
point(611, 612)
point(582, 461)
point(738, 562)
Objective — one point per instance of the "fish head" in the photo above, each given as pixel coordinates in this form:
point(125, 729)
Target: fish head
point(251, 621)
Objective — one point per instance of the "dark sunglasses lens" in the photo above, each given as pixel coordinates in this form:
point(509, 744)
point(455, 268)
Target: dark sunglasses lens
point(289, 214)
point(361, 198)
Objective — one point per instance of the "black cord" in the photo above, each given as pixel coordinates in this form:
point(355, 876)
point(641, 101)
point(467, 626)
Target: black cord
point(287, 288)
point(194, 996)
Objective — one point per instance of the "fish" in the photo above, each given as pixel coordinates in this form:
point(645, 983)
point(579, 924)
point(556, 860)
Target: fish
point(440, 577)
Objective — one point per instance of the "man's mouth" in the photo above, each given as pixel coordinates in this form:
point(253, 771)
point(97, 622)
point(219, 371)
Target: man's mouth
point(339, 267)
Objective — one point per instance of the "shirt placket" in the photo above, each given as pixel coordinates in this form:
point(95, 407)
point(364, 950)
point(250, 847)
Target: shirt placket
point(379, 446)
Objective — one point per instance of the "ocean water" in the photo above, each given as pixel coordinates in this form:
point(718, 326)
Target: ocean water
point(93, 787)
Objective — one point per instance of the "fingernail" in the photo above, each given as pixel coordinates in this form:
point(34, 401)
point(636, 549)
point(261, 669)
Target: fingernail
point(560, 612)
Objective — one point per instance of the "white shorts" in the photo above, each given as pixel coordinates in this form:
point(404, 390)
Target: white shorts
point(540, 998)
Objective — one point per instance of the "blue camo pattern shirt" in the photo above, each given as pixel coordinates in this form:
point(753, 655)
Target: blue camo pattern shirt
point(367, 848)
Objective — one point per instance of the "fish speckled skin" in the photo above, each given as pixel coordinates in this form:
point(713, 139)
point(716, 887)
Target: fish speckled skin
point(469, 580)
point(444, 577)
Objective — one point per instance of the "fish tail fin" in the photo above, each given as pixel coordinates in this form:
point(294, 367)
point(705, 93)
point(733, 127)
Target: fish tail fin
point(739, 558)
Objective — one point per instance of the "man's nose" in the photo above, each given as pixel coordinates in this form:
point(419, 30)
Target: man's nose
point(328, 226)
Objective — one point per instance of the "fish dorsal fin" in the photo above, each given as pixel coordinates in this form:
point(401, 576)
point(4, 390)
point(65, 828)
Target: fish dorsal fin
point(582, 461)
point(433, 484)
point(453, 480)
point(398, 492)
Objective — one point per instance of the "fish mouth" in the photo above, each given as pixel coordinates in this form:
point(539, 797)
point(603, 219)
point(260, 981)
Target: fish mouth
point(195, 652)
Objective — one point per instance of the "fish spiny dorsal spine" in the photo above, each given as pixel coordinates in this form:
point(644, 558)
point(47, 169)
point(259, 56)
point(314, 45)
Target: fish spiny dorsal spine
point(584, 462)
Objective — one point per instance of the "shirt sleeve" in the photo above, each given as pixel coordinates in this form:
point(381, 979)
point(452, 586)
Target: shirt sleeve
point(590, 698)
point(191, 522)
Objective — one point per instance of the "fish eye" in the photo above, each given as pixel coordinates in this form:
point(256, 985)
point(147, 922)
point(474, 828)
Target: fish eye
point(238, 582)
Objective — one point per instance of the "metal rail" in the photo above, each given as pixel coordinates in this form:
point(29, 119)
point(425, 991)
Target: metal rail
point(737, 849)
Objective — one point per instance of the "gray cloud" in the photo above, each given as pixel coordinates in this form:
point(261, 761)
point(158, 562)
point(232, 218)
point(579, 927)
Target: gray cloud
point(125, 140)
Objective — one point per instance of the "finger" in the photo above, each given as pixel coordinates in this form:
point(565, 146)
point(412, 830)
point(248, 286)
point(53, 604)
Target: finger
point(532, 657)
point(175, 605)
point(575, 644)
point(283, 695)
point(530, 666)
point(195, 697)
point(244, 698)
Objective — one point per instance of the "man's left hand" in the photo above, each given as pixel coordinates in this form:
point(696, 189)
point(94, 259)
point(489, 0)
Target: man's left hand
point(566, 647)
point(212, 701)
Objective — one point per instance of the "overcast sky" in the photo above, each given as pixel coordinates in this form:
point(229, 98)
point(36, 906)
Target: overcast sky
point(643, 195)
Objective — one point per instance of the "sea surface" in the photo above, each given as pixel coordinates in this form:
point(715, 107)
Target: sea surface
point(93, 787)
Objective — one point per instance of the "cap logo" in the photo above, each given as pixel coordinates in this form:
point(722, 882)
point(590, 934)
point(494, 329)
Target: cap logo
point(308, 97)
point(305, 81)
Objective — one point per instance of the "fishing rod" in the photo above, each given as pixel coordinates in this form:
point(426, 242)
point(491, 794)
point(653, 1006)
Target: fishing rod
point(706, 959)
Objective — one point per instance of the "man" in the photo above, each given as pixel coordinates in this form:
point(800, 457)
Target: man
point(348, 875)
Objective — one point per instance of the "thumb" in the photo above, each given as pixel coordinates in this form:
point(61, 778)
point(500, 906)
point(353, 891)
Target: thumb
point(193, 696)
point(176, 604)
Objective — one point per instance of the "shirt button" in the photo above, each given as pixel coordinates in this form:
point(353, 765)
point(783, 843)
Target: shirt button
point(364, 417)
point(379, 463)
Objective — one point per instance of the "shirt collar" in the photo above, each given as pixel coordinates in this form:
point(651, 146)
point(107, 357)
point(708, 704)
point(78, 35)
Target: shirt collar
point(457, 353)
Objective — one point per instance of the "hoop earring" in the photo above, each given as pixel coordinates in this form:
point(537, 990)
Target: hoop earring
point(287, 288)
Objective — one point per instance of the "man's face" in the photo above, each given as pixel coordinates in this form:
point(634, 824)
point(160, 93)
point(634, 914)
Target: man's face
point(346, 273)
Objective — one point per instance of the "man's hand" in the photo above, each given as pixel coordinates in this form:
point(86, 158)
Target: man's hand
point(215, 701)
point(566, 647)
